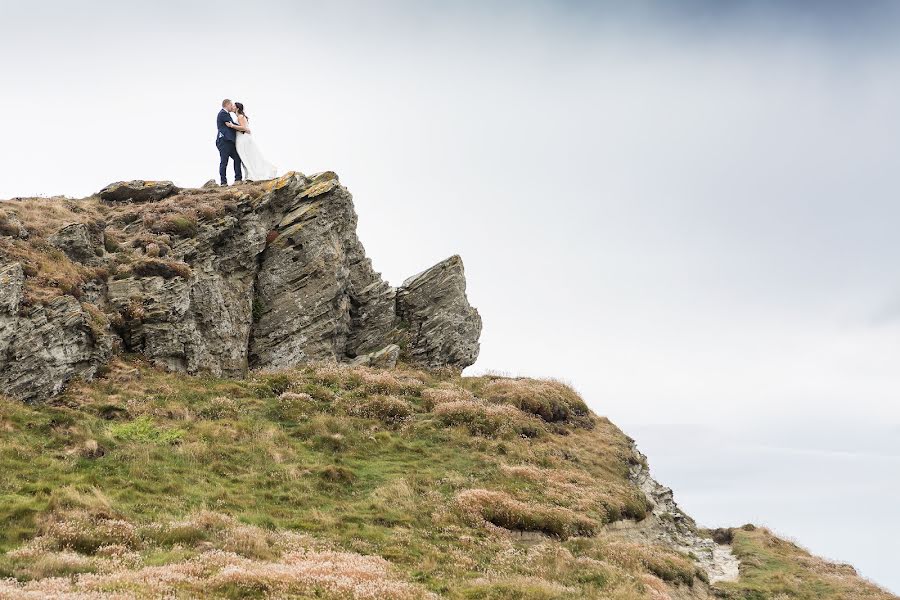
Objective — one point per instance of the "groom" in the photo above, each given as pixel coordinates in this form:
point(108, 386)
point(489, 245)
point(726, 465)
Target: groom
point(225, 142)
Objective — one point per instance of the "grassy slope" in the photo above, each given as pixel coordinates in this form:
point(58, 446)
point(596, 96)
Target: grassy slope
point(294, 483)
point(774, 568)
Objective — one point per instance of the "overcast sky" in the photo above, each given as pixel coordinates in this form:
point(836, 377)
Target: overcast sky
point(688, 210)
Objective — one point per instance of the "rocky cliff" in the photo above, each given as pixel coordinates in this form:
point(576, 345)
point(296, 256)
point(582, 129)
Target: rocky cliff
point(212, 280)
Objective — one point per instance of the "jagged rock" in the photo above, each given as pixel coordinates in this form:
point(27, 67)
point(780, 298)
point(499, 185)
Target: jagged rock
point(49, 345)
point(317, 296)
point(138, 191)
point(210, 184)
point(442, 329)
point(386, 358)
point(667, 524)
point(79, 242)
point(276, 278)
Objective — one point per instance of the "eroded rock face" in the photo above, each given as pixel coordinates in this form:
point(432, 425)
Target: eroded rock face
point(667, 524)
point(80, 242)
point(47, 346)
point(278, 279)
point(442, 329)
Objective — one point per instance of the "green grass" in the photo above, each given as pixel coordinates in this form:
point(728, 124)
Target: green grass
point(775, 568)
point(159, 469)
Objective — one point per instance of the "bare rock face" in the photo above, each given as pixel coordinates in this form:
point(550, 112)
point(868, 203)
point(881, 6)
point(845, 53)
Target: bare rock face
point(80, 242)
point(138, 191)
point(47, 346)
point(668, 525)
point(277, 279)
point(441, 328)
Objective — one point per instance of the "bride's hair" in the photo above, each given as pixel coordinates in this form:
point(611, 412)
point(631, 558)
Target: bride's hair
point(240, 110)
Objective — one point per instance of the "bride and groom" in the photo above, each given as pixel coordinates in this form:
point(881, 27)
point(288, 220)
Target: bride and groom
point(235, 142)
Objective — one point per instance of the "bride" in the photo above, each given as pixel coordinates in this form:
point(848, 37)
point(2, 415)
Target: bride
point(256, 167)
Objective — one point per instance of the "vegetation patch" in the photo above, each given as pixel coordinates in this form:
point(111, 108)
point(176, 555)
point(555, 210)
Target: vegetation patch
point(388, 409)
point(502, 510)
point(143, 430)
point(144, 475)
point(152, 267)
point(776, 568)
point(487, 420)
point(552, 401)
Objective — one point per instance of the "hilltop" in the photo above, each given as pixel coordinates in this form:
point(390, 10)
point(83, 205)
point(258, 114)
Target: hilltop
point(211, 393)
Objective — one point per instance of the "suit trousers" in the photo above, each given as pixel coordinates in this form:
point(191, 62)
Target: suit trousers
point(227, 149)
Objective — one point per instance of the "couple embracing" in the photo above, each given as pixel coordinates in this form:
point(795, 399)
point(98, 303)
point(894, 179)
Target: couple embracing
point(235, 142)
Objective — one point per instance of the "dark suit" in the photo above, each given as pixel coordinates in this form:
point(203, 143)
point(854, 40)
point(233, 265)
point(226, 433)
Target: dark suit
point(225, 142)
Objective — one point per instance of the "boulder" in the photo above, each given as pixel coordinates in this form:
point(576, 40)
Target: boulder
point(441, 327)
point(138, 191)
point(11, 226)
point(79, 242)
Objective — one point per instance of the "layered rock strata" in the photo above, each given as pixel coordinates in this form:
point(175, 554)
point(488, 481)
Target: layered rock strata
point(276, 279)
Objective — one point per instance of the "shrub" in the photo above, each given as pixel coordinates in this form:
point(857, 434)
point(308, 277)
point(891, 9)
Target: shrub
point(386, 382)
point(110, 243)
point(502, 510)
point(274, 384)
point(552, 401)
point(445, 394)
point(487, 420)
point(722, 535)
point(86, 535)
point(182, 225)
point(388, 409)
point(219, 407)
point(337, 474)
point(291, 404)
point(517, 587)
point(151, 267)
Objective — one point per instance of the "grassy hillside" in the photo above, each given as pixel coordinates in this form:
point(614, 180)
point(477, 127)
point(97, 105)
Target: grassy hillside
point(334, 482)
point(774, 568)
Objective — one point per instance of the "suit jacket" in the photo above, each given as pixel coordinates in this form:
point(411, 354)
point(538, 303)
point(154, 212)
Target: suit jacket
point(225, 132)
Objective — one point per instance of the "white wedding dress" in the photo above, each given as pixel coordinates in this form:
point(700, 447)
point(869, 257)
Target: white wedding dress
point(253, 164)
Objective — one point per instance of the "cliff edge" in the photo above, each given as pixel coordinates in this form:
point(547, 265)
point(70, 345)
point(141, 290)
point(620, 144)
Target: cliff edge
point(212, 280)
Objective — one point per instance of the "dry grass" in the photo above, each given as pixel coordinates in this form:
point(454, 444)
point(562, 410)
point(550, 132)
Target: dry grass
point(444, 393)
point(502, 510)
point(487, 420)
point(212, 555)
point(145, 480)
point(387, 409)
point(134, 236)
point(371, 381)
point(776, 568)
point(552, 401)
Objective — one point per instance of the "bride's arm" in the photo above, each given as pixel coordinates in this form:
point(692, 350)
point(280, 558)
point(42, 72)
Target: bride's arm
point(236, 127)
point(244, 124)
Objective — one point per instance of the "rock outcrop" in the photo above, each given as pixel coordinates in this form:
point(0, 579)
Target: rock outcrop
point(138, 191)
point(269, 275)
point(54, 343)
point(668, 525)
point(441, 327)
